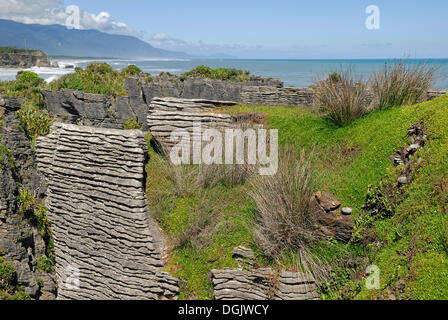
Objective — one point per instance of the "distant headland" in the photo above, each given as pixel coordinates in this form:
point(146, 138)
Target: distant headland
point(23, 58)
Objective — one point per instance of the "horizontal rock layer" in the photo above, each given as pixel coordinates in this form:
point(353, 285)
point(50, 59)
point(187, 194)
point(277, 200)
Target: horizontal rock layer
point(168, 115)
point(103, 232)
point(262, 284)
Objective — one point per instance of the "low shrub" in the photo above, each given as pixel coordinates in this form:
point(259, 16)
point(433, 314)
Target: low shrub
point(27, 85)
point(225, 74)
point(132, 124)
point(34, 210)
point(98, 78)
point(35, 121)
point(8, 275)
point(131, 70)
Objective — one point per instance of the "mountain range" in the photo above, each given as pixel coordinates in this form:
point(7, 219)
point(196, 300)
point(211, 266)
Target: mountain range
point(57, 40)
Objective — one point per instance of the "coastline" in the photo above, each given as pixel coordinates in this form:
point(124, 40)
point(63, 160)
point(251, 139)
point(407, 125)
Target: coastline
point(299, 73)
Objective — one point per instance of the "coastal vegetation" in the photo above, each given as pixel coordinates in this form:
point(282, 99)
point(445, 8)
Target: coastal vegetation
point(225, 74)
point(343, 97)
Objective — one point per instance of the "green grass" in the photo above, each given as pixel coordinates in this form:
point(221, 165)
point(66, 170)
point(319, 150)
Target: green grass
point(230, 214)
point(412, 243)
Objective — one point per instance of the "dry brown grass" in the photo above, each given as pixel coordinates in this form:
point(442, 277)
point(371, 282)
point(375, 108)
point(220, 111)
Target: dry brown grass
point(401, 84)
point(283, 203)
point(342, 99)
point(283, 222)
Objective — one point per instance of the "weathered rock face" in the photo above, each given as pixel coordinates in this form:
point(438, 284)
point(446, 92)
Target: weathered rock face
point(432, 94)
point(107, 244)
point(21, 58)
point(269, 93)
point(76, 107)
point(20, 242)
point(261, 284)
point(277, 96)
point(170, 114)
point(328, 218)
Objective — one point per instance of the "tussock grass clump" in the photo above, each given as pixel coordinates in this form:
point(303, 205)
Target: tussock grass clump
point(283, 204)
point(342, 98)
point(401, 84)
point(228, 175)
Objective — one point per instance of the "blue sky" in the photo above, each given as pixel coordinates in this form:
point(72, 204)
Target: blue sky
point(283, 28)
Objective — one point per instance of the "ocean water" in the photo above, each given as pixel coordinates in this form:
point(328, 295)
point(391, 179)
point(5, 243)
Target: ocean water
point(298, 73)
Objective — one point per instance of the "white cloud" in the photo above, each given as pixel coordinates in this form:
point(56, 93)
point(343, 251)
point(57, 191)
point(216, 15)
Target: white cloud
point(165, 41)
point(52, 12)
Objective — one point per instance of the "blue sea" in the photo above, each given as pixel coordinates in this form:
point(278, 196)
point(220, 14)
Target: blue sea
point(298, 73)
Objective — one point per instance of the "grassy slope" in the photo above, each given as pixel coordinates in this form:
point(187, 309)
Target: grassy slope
point(347, 160)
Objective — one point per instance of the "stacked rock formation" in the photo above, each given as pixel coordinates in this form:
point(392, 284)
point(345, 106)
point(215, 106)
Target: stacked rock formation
point(432, 94)
point(170, 114)
point(107, 244)
point(21, 244)
point(277, 96)
point(76, 107)
point(247, 283)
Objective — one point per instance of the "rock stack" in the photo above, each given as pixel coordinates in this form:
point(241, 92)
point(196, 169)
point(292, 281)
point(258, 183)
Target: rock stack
point(170, 114)
point(107, 244)
point(262, 283)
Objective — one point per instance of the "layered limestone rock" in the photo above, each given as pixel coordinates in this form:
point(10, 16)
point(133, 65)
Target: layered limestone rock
point(170, 114)
point(107, 244)
point(76, 107)
point(432, 94)
point(248, 283)
point(186, 105)
point(21, 244)
point(277, 96)
point(262, 284)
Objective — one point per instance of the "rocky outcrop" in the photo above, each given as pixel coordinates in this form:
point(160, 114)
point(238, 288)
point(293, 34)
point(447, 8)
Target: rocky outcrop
point(23, 58)
point(88, 109)
point(261, 284)
point(186, 105)
point(107, 244)
point(80, 108)
point(328, 218)
point(170, 114)
point(432, 94)
point(277, 96)
point(21, 244)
